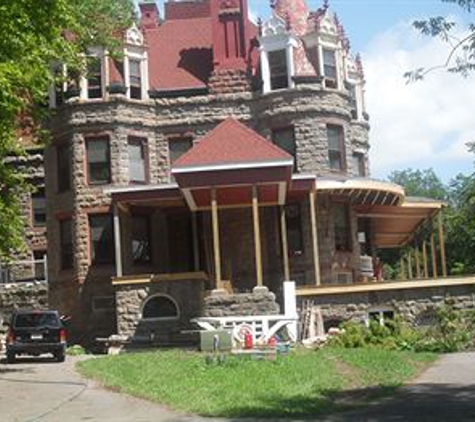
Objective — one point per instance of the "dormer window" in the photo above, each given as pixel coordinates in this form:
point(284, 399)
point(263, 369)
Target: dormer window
point(135, 64)
point(276, 53)
point(330, 69)
point(94, 78)
point(135, 79)
point(279, 75)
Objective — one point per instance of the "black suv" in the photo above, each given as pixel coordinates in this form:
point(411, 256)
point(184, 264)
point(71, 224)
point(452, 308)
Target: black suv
point(35, 333)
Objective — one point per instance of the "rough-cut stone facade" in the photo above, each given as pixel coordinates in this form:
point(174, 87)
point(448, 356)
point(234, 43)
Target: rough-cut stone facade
point(415, 306)
point(130, 299)
point(259, 302)
point(308, 108)
point(15, 296)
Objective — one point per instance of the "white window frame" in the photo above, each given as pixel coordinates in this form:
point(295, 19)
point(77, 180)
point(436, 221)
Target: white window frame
point(101, 54)
point(378, 310)
point(136, 53)
point(338, 63)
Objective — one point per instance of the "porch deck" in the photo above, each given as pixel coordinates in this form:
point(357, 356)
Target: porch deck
point(380, 286)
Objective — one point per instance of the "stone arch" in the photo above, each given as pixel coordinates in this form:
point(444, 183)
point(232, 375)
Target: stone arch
point(160, 307)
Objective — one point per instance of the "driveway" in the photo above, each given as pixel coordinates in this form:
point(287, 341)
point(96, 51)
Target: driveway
point(445, 392)
point(45, 391)
point(35, 390)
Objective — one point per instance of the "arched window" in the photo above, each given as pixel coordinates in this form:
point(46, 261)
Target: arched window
point(160, 307)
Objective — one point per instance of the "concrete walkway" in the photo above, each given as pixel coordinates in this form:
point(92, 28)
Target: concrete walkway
point(42, 391)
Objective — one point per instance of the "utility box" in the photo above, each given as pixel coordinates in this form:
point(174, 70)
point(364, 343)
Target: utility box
point(219, 340)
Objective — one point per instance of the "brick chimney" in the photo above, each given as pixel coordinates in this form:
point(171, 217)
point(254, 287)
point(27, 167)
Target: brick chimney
point(149, 14)
point(230, 39)
point(231, 46)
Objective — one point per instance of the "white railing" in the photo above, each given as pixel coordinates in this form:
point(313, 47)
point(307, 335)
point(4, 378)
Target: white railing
point(24, 271)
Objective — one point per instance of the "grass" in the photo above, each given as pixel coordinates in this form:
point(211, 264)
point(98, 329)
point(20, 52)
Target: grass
point(303, 384)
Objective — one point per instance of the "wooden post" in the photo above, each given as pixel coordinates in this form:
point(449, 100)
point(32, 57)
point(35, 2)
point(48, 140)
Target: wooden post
point(418, 263)
point(402, 269)
point(257, 235)
point(217, 251)
point(442, 245)
point(434, 256)
point(285, 247)
point(313, 221)
point(117, 242)
point(409, 265)
point(424, 257)
point(196, 243)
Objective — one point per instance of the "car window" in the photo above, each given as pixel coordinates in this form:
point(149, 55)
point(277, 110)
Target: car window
point(36, 320)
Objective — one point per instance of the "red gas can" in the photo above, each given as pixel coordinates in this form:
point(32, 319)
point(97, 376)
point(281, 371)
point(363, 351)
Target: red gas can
point(248, 341)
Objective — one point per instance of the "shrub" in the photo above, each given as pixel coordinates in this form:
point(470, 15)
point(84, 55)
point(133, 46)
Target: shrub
point(453, 331)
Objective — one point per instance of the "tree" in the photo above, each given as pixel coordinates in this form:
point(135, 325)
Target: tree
point(423, 183)
point(461, 58)
point(33, 35)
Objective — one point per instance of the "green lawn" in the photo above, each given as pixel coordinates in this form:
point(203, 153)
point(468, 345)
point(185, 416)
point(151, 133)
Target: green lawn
point(304, 383)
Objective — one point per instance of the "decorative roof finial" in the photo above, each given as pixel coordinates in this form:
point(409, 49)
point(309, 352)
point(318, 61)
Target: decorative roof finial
point(272, 4)
point(326, 4)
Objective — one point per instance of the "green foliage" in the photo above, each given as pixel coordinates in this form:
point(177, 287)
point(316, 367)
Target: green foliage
point(423, 183)
point(453, 331)
point(75, 350)
point(461, 58)
point(34, 35)
point(303, 384)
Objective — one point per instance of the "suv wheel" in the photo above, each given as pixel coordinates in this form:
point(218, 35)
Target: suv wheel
point(10, 357)
point(60, 356)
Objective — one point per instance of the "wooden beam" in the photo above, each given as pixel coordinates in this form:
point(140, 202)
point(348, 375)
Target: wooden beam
point(425, 260)
point(285, 247)
point(117, 242)
point(392, 216)
point(313, 222)
point(217, 251)
point(196, 243)
point(418, 263)
point(442, 245)
point(257, 235)
point(433, 255)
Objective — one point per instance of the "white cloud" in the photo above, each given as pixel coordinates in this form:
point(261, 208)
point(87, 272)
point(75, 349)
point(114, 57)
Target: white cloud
point(420, 125)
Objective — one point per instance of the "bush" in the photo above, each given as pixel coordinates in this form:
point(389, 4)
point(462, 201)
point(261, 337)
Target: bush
point(75, 350)
point(453, 331)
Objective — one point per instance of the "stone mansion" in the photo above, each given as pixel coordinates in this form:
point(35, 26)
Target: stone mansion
point(220, 155)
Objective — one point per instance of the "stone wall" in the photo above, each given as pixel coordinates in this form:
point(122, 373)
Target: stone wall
point(130, 299)
point(412, 305)
point(22, 296)
point(259, 302)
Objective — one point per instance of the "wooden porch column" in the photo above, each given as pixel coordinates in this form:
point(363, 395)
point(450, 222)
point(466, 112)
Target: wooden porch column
point(285, 247)
point(402, 270)
point(424, 257)
point(442, 245)
point(117, 242)
point(418, 263)
point(257, 235)
point(433, 256)
point(313, 221)
point(196, 244)
point(409, 265)
point(217, 251)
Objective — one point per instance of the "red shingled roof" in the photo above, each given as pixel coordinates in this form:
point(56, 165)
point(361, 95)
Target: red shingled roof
point(180, 54)
point(231, 142)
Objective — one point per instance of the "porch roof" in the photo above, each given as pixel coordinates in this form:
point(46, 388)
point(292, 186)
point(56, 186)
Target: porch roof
point(363, 191)
point(230, 146)
point(394, 226)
